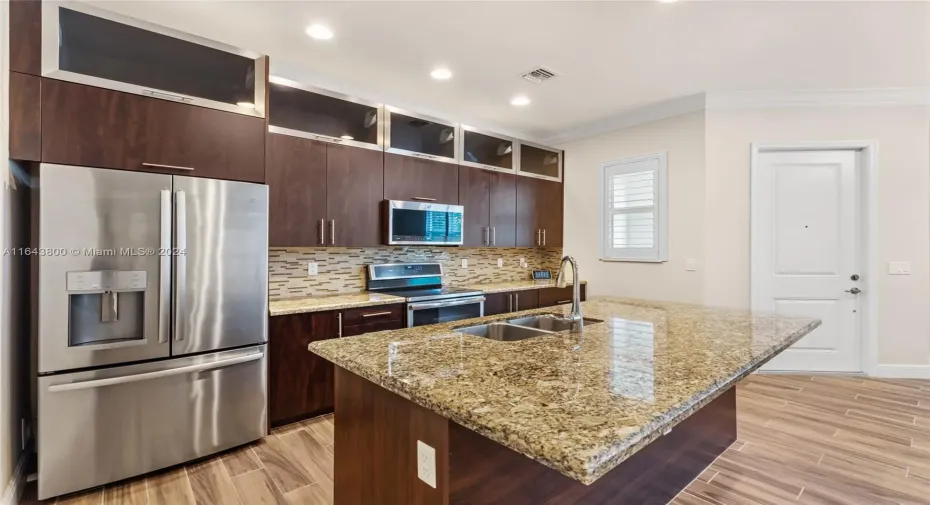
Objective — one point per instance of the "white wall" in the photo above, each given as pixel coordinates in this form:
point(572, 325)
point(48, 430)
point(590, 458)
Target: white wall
point(7, 458)
point(683, 138)
point(903, 136)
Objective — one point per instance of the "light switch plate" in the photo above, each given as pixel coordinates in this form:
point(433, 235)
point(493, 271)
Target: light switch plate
point(312, 268)
point(426, 464)
point(899, 268)
point(500, 262)
point(690, 264)
point(464, 262)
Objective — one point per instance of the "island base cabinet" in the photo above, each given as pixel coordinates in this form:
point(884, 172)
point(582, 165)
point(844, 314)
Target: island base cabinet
point(377, 434)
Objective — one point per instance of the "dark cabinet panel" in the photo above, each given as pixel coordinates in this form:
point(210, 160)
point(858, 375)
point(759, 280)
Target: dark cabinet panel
point(301, 383)
point(419, 135)
point(354, 185)
point(475, 196)
point(381, 317)
point(299, 109)
point(25, 117)
point(525, 300)
point(549, 211)
point(295, 171)
point(415, 179)
point(84, 125)
point(529, 200)
point(25, 17)
point(503, 209)
point(487, 150)
point(497, 303)
point(549, 297)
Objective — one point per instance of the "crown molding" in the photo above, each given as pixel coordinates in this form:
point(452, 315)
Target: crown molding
point(652, 112)
point(730, 100)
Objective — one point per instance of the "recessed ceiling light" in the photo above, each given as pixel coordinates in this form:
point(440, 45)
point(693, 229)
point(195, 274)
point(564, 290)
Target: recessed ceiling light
point(347, 137)
point(441, 74)
point(520, 100)
point(667, 1)
point(319, 32)
point(247, 105)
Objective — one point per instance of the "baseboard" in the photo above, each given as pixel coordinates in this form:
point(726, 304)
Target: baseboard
point(901, 371)
point(14, 488)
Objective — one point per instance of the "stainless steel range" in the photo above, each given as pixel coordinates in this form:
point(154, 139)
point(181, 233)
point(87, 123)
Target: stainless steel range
point(428, 301)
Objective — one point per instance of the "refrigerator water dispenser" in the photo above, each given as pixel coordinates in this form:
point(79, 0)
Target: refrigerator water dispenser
point(106, 307)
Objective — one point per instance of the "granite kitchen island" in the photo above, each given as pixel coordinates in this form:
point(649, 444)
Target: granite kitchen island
point(627, 412)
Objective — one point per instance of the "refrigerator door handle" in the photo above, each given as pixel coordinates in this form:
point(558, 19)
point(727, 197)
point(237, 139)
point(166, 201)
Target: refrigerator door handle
point(180, 262)
point(73, 386)
point(164, 269)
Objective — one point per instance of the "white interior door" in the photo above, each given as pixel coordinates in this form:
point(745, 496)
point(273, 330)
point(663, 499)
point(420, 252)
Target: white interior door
point(805, 251)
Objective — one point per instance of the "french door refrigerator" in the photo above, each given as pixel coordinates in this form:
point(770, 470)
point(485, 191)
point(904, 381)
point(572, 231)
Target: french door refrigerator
point(151, 321)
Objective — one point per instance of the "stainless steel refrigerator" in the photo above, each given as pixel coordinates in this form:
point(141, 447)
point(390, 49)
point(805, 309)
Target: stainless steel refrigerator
point(151, 321)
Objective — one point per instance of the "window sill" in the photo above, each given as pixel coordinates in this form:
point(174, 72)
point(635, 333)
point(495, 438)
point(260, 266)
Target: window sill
point(631, 260)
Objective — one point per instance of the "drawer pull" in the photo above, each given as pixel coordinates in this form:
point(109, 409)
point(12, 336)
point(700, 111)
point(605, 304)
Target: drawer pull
point(376, 314)
point(170, 167)
point(563, 301)
point(424, 199)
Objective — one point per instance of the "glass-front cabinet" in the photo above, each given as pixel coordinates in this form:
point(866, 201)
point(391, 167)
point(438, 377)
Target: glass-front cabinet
point(418, 135)
point(486, 150)
point(539, 161)
point(306, 111)
point(97, 47)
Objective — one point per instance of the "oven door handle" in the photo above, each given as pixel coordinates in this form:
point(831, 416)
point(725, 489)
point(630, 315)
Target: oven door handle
point(449, 303)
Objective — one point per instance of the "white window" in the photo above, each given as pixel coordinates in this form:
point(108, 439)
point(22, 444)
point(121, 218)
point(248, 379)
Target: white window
point(634, 202)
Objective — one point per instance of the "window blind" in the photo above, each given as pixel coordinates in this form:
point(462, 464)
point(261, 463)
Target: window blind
point(633, 209)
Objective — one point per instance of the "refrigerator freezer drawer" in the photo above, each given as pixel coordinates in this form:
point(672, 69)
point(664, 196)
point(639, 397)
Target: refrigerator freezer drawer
point(102, 426)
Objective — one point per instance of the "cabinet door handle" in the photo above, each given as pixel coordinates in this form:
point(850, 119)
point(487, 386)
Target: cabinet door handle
point(493, 235)
point(170, 167)
point(376, 314)
point(332, 232)
point(516, 297)
point(323, 231)
point(167, 96)
point(339, 318)
point(486, 236)
point(544, 236)
point(510, 298)
point(424, 199)
point(421, 155)
point(563, 301)
point(538, 237)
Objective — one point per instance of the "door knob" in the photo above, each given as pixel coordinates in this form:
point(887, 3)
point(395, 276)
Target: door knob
point(854, 277)
point(854, 291)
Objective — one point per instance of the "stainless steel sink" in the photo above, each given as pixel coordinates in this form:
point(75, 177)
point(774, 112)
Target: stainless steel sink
point(503, 332)
point(548, 322)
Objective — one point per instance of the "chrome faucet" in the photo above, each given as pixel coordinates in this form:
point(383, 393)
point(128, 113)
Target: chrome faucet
point(576, 316)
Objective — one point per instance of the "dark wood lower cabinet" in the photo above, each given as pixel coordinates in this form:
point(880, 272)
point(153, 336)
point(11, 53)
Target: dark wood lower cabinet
point(498, 303)
point(502, 303)
point(526, 299)
point(301, 383)
point(376, 458)
point(558, 296)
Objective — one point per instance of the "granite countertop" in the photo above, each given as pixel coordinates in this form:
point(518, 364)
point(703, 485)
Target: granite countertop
point(501, 287)
point(578, 403)
point(287, 306)
point(329, 302)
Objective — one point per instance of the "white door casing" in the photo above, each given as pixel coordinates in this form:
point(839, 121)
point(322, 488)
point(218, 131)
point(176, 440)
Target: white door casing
point(806, 243)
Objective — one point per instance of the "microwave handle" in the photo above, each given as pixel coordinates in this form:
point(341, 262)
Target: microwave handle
point(449, 303)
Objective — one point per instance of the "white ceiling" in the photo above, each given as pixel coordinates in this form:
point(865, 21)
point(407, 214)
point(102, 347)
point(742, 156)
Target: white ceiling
point(611, 57)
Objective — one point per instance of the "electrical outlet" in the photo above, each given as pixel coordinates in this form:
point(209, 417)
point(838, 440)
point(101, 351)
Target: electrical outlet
point(426, 464)
point(500, 262)
point(464, 262)
point(312, 268)
point(899, 268)
point(690, 264)
point(522, 262)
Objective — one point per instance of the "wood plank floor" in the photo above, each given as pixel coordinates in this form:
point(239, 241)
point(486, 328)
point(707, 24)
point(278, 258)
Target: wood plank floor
point(816, 440)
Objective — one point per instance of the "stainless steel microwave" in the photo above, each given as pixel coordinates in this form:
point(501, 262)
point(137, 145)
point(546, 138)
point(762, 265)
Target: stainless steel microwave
point(422, 223)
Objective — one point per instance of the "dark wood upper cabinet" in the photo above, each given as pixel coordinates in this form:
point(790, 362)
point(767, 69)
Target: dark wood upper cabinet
point(539, 212)
point(26, 36)
point(95, 46)
point(475, 196)
point(503, 209)
point(315, 113)
point(354, 190)
point(301, 384)
point(25, 117)
point(420, 180)
point(417, 135)
point(541, 161)
point(485, 150)
point(295, 171)
point(84, 125)
point(550, 211)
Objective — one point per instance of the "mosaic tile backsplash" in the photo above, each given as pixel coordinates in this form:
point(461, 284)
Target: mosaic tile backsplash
point(342, 269)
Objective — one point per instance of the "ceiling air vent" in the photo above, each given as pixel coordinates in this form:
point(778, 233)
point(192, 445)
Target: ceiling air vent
point(538, 75)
